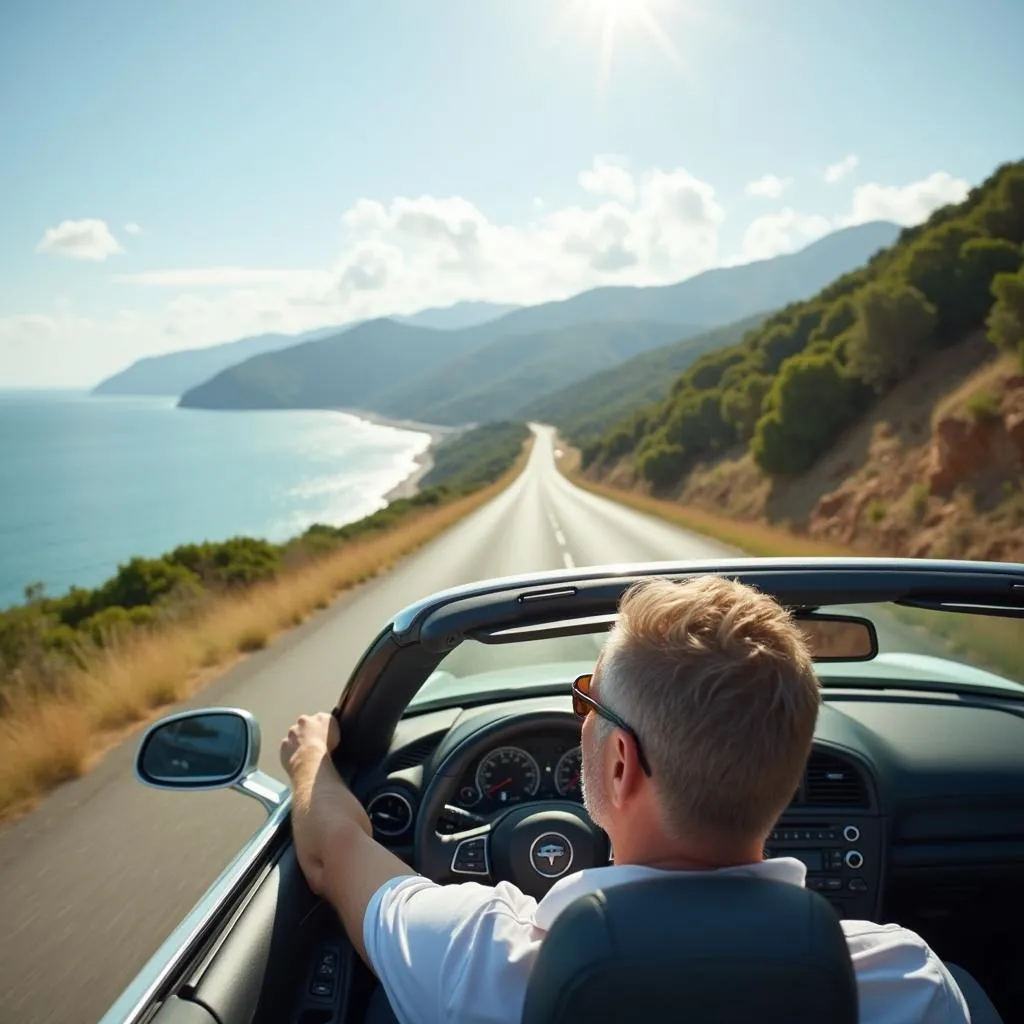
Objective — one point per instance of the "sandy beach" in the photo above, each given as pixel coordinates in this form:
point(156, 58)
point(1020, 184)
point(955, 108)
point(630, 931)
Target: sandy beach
point(424, 461)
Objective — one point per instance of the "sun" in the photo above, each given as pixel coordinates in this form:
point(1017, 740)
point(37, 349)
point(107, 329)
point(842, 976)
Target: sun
point(622, 12)
point(613, 19)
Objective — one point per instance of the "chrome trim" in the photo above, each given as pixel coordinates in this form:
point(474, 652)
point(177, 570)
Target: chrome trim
point(405, 800)
point(137, 999)
point(567, 849)
point(264, 788)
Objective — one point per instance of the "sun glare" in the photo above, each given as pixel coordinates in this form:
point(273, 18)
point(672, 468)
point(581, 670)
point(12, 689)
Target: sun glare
point(621, 12)
point(614, 18)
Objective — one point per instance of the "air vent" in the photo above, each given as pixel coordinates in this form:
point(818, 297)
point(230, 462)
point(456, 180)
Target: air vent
point(390, 813)
point(415, 753)
point(834, 782)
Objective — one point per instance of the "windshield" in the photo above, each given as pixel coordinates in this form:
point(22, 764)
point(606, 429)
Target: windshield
point(914, 646)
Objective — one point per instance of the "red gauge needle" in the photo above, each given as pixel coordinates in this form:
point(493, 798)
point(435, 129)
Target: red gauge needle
point(500, 785)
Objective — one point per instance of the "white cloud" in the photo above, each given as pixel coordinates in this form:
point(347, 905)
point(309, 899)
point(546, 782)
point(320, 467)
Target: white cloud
point(609, 176)
point(907, 204)
point(131, 228)
point(839, 170)
point(785, 231)
point(771, 186)
point(402, 254)
point(538, 203)
point(87, 239)
point(789, 230)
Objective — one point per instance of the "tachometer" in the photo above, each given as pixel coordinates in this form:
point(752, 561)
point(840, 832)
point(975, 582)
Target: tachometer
point(507, 775)
point(567, 774)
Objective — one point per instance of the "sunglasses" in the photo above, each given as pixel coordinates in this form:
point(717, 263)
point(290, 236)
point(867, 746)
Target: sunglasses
point(583, 704)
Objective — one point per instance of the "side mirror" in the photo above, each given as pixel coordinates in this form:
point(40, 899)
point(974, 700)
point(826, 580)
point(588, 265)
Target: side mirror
point(209, 748)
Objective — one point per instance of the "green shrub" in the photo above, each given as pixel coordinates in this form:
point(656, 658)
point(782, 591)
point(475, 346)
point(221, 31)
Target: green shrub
point(983, 407)
point(919, 501)
point(1006, 320)
point(812, 400)
point(893, 333)
point(662, 463)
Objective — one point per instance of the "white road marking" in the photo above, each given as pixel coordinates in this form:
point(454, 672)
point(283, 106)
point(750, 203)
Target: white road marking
point(560, 537)
point(567, 558)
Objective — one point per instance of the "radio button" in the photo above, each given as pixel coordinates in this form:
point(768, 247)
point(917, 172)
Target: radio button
point(857, 885)
point(832, 884)
point(851, 833)
point(854, 859)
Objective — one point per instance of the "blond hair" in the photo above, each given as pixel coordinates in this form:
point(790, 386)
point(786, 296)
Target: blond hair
point(716, 680)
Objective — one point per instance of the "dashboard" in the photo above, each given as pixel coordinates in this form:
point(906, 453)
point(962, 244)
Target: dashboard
point(900, 787)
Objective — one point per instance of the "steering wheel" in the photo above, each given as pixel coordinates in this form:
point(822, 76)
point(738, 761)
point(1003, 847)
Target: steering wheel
point(531, 844)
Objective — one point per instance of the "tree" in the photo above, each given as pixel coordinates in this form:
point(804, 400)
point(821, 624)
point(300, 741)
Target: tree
point(839, 317)
point(981, 259)
point(894, 328)
point(812, 400)
point(706, 373)
point(1006, 321)
point(696, 423)
point(661, 463)
point(1001, 212)
point(932, 266)
point(778, 345)
point(742, 404)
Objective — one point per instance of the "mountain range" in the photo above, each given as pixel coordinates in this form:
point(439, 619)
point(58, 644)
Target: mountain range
point(519, 361)
point(173, 373)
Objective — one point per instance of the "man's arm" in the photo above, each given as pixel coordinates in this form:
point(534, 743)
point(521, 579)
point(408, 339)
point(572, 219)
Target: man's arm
point(333, 836)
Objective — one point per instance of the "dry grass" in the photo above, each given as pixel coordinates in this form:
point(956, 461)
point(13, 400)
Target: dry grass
point(990, 380)
point(46, 741)
point(753, 538)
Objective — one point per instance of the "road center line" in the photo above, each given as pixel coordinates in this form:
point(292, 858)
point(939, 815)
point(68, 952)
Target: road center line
point(567, 558)
point(560, 537)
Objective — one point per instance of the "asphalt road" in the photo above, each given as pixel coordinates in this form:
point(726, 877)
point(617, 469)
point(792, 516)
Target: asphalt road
point(95, 879)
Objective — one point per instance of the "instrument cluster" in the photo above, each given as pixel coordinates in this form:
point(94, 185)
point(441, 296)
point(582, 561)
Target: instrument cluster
point(546, 767)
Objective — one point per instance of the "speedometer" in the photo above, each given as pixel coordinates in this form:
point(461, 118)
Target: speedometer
point(507, 775)
point(567, 774)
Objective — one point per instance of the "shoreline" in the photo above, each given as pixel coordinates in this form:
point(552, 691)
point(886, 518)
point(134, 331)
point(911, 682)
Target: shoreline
point(424, 462)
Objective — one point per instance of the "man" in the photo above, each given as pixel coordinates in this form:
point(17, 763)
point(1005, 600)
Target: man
point(715, 682)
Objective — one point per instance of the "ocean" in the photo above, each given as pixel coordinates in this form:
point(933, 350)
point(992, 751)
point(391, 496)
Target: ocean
point(87, 482)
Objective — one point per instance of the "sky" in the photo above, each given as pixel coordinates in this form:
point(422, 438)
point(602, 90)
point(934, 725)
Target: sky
point(181, 173)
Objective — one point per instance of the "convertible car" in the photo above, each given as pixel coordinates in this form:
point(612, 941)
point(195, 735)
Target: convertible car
point(458, 736)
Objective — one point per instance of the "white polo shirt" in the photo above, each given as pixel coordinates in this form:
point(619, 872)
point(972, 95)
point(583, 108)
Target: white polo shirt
point(463, 953)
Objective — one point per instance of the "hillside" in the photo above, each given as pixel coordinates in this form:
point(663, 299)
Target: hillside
point(589, 407)
point(886, 411)
point(494, 381)
point(175, 372)
point(347, 369)
point(343, 371)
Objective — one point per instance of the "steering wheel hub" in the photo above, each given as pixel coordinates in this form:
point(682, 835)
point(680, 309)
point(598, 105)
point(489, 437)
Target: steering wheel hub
point(536, 844)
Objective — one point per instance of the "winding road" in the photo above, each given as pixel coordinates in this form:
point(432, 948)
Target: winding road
point(95, 879)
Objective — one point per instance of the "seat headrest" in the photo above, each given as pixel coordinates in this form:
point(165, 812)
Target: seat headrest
point(695, 948)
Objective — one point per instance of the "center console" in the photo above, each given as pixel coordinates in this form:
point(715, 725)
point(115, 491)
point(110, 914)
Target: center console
point(843, 856)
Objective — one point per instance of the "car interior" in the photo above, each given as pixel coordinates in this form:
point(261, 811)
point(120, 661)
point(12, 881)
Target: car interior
point(459, 737)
